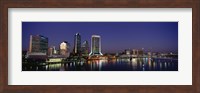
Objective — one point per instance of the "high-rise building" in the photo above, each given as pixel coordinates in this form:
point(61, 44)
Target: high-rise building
point(85, 48)
point(95, 45)
point(77, 43)
point(64, 49)
point(38, 44)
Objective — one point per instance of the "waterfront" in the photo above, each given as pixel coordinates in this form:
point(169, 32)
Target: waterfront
point(100, 46)
point(125, 64)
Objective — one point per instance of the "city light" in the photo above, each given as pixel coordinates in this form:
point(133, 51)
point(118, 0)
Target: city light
point(97, 52)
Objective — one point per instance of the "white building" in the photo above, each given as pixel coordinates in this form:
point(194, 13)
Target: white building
point(64, 49)
point(95, 45)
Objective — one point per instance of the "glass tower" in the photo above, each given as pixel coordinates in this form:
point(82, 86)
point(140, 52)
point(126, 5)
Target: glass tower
point(95, 45)
point(38, 44)
point(77, 43)
point(85, 48)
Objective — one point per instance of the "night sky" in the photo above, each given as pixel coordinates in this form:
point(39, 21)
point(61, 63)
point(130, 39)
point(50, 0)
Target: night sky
point(115, 36)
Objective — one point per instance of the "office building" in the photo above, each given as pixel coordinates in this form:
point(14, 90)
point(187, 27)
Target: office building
point(38, 44)
point(85, 48)
point(95, 45)
point(64, 49)
point(77, 44)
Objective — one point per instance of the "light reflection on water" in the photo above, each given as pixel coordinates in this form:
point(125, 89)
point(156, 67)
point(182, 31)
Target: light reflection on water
point(134, 64)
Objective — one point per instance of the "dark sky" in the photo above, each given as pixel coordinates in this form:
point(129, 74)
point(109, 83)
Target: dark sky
point(115, 36)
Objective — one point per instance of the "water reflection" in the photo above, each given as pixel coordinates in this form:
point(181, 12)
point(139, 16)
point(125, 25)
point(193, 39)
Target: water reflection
point(125, 64)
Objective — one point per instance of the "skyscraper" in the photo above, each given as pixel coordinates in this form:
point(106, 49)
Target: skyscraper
point(77, 43)
point(95, 45)
point(38, 44)
point(85, 48)
point(64, 49)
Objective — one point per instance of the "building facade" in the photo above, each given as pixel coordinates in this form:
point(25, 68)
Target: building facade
point(64, 49)
point(77, 43)
point(85, 48)
point(95, 45)
point(38, 44)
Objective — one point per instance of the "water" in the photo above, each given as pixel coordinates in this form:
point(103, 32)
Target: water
point(134, 64)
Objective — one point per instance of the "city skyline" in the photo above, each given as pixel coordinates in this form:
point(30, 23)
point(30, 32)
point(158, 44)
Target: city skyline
point(116, 36)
